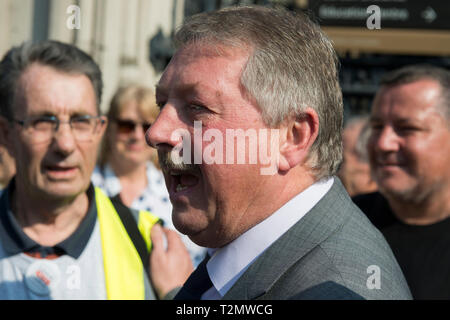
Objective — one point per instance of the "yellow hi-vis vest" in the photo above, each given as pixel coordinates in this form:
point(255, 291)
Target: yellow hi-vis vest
point(122, 265)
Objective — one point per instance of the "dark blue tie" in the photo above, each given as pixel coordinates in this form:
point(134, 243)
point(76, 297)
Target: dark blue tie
point(196, 284)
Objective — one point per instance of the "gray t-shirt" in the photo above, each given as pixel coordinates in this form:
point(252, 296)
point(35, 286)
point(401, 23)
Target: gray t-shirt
point(25, 277)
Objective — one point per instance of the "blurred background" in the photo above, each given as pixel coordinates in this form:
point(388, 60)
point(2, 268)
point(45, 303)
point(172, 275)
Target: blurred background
point(131, 39)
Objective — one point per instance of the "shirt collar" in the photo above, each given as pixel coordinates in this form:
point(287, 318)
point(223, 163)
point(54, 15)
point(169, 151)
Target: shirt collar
point(228, 263)
point(16, 241)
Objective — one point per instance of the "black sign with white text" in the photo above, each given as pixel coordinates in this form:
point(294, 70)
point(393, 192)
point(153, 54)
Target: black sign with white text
point(416, 14)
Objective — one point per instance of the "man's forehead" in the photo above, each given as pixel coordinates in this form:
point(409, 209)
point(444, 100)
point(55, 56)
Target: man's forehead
point(199, 54)
point(415, 95)
point(194, 50)
point(423, 90)
point(199, 72)
point(41, 87)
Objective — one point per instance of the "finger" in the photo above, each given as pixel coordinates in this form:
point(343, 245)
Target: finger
point(174, 241)
point(157, 237)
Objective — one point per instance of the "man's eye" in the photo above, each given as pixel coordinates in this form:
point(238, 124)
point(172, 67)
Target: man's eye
point(42, 123)
point(196, 107)
point(407, 129)
point(81, 120)
point(82, 123)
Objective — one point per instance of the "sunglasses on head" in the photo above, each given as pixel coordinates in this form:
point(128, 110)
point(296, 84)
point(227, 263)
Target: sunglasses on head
point(128, 126)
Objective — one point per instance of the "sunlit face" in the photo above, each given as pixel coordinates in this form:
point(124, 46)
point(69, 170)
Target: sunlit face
point(212, 203)
point(128, 144)
point(61, 167)
point(410, 143)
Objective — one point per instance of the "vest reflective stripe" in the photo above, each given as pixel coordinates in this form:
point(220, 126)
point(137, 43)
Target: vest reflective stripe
point(124, 272)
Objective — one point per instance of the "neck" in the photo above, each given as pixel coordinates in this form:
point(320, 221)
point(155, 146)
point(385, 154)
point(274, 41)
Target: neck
point(432, 209)
point(48, 221)
point(283, 188)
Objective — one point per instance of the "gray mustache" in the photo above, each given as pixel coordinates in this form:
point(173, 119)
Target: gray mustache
point(166, 162)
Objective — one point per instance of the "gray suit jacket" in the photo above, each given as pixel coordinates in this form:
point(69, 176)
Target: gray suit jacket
point(333, 252)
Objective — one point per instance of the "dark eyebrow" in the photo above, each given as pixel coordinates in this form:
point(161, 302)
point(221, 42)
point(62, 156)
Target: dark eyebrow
point(52, 114)
point(82, 114)
point(404, 120)
point(44, 114)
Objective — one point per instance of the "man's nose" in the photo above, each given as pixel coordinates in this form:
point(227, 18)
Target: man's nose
point(162, 133)
point(386, 140)
point(64, 139)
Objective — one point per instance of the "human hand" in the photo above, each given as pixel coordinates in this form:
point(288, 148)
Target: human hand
point(169, 267)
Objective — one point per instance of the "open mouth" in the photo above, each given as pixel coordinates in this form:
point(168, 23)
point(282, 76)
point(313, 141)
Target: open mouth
point(183, 180)
point(389, 161)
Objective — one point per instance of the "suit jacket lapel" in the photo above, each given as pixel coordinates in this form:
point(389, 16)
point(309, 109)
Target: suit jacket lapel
point(318, 224)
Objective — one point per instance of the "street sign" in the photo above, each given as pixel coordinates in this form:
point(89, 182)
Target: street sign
point(409, 14)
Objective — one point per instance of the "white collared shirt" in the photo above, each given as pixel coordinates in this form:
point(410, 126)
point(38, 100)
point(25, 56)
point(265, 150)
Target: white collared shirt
point(228, 263)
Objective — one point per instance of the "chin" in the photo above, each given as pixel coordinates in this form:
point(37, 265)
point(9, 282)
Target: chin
point(185, 225)
point(64, 190)
point(400, 192)
point(189, 222)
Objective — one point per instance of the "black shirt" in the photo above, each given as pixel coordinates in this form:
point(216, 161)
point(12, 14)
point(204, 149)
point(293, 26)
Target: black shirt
point(423, 252)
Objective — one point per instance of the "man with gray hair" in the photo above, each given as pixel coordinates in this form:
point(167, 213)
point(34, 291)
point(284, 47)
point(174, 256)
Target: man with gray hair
point(287, 233)
point(409, 149)
point(61, 238)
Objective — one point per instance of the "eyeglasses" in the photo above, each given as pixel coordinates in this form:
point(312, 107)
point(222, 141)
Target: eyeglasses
point(128, 126)
point(42, 128)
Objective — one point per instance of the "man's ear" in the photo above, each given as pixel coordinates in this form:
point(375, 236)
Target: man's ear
point(299, 137)
point(5, 132)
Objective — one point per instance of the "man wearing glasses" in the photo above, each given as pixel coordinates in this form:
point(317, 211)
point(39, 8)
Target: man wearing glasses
point(61, 238)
